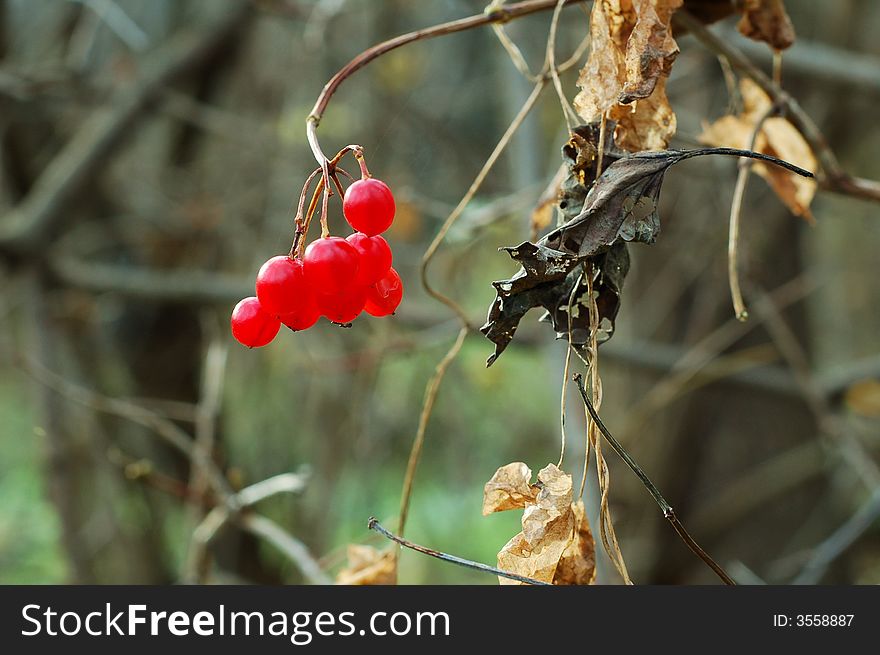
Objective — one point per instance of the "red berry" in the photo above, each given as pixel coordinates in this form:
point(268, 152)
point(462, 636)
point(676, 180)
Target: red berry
point(282, 286)
point(369, 206)
point(330, 264)
point(343, 307)
point(252, 326)
point(303, 318)
point(384, 296)
point(375, 257)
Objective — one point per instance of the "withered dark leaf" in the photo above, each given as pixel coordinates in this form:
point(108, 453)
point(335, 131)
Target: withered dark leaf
point(620, 206)
point(766, 20)
point(610, 269)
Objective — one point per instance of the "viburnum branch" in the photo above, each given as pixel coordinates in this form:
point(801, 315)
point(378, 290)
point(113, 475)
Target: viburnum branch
point(374, 525)
point(666, 508)
point(501, 14)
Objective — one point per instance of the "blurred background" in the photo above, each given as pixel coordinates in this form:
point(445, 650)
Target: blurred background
point(151, 152)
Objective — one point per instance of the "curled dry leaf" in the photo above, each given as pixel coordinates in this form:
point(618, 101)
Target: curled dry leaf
point(767, 21)
point(578, 563)
point(647, 124)
point(624, 79)
point(778, 138)
point(555, 544)
point(509, 488)
point(369, 566)
point(602, 216)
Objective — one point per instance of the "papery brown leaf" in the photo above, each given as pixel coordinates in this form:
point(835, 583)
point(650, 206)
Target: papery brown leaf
point(369, 566)
point(767, 21)
point(631, 54)
point(578, 563)
point(647, 124)
point(548, 529)
point(509, 488)
point(778, 138)
point(650, 49)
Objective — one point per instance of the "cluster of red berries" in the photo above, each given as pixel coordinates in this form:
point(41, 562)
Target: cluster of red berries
point(336, 278)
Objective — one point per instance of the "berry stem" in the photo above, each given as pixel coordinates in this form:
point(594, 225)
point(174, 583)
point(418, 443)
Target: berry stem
point(337, 183)
point(300, 227)
point(362, 162)
point(300, 245)
point(325, 203)
point(328, 170)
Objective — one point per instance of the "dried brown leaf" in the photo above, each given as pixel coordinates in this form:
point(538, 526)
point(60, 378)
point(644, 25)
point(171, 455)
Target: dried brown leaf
point(646, 124)
point(631, 54)
point(555, 542)
point(578, 563)
point(778, 138)
point(509, 488)
point(767, 21)
point(650, 49)
point(369, 566)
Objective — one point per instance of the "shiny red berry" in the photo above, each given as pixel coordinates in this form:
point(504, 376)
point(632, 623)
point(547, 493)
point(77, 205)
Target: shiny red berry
point(375, 257)
point(369, 206)
point(282, 286)
point(384, 296)
point(252, 326)
point(330, 264)
point(303, 318)
point(343, 307)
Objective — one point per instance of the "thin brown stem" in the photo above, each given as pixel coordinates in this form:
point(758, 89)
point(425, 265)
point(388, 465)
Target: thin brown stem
point(299, 241)
point(374, 525)
point(468, 196)
point(665, 507)
point(498, 15)
point(415, 454)
point(739, 192)
point(300, 227)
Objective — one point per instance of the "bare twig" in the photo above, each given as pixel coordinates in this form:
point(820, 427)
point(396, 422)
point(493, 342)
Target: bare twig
point(666, 508)
point(290, 546)
point(839, 540)
point(499, 15)
point(207, 411)
point(374, 524)
point(166, 429)
point(851, 449)
point(25, 228)
point(198, 560)
point(820, 62)
point(186, 286)
point(468, 196)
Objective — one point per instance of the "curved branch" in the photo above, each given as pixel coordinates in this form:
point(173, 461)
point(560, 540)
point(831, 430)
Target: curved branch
point(499, 15)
